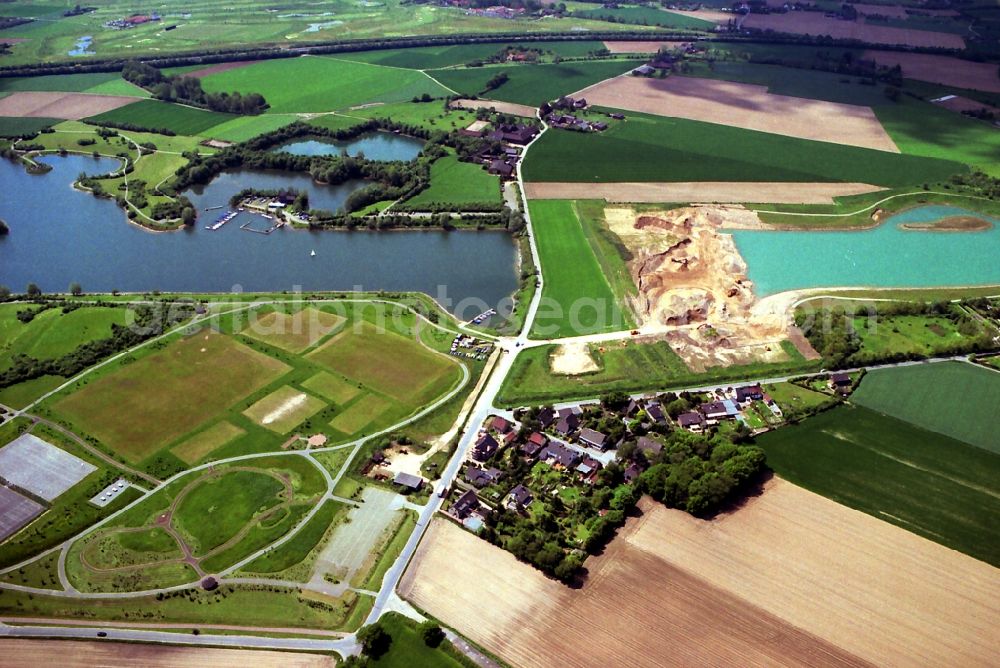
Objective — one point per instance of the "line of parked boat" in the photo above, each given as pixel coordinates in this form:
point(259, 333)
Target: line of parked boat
point(222, 220)
point(483, 316)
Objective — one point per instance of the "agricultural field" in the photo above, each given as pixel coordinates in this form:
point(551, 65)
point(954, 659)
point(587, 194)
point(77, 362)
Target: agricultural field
point(14, 126)
point(925, 482)
point(650, 16)
point(163, 115)
point(676, 149)
point(951, 398)
point(337, 83)
point(531, 84)
point(436, 57)
point(577, 298)
point(458, 183)
point(243, 128)
point(669, 583)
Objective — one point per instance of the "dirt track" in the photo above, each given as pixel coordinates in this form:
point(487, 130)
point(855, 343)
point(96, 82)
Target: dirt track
point(941, 69)
point(744, 106)
point(815, 23)
point(79, 654)
point(68, 106)
point(721, 192)
point(502, 107)
point(675, 590)
point(960, 104)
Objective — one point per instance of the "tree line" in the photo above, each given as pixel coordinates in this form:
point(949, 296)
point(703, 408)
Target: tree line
point(188, 90)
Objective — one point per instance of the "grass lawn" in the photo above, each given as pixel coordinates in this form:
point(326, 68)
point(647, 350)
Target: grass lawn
point(389, 363)
point(674, 149)
point(918, 334)
point(52, 333)
point(791, 396)
point(532, 84)
point(952, 398)
point(284, 409)
point(204, 443)
point(332, 387)
point(576, 296)
point(428, 115)
point(294, 551)
point(458, 183)
point(333, 83)
point(11, 126)
point(629, 367)
point(139, 407)
point(925, 482)
point(243, 128)
point(157, 115)
point(294, 332)
point(22, 394)
point(360, 414)
point(216, 509)
point(408, 649)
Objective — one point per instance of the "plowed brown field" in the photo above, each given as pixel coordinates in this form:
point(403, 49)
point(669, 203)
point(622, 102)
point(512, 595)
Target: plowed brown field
point(790, 579)
point(68, 106)
point(743, 106)
point(80, 654)
point(815, 23)
point(941, 69)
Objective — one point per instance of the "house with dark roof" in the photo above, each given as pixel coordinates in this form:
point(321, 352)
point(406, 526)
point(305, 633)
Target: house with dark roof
point(594, 439)
point(567, 424)
point(546, 416)
point(632, 472)
point(484, 448)
point(521, 134)
point(409, 481)
point(588, 466)
point(714, 411)
point(465, 505)
point(841, 382)
point(501, 168)
point(519, 498)
point(649, 446)
point(558, 454)
point(632, 408)
point(692, 421)
point(500, 424)
point(655, 413)
point(509, 437)
point(745, 395)
point(482, 477)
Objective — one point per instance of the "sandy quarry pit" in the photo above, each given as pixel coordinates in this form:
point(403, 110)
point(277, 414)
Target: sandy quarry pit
point(693, 285)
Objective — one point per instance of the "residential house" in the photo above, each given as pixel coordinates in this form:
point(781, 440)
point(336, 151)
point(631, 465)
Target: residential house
point(655, 413)
point(484, 448)
point(534, 444)
point(745, 395)
point(632, 408)
point(482, 477)
point(500, 424)
point(840, 382)
point(693, 421)
point(509, 437)
point(594, 439)
point(501, 168)
point(649, 446)
point(632, 472)
point(558, 454)
point(519, 498)
point(567, 424)
point(546, 416)
point(588, 467)
point(465, 505)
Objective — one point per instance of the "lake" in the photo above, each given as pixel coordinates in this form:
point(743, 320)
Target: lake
point(228, 183)
point(59, 235)
point(884, 256)
point(374, 146)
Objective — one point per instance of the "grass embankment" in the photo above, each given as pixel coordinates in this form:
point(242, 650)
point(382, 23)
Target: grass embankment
point(674, 149)
point(629, 367)
point(935, 486)
point(956, 399)
point(576, 295)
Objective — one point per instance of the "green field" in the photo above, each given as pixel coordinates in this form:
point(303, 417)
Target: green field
point(295, 551)
point(532, 84)
point(284, 409)
point(674, 149)
point(67, 83)
point(243, 128)
point(12, 126)
point(360, 414)
point(142, 406)
point(331, 387)
point(52, 333)
point(408, 649)
point(646, 16)
point(576, 296)
point(927, 483)
point(163, 115)
point(956, 399)
point(629, 367)
point(204, 443)
point(458, 183)
point(333, 84)
point(914, 334)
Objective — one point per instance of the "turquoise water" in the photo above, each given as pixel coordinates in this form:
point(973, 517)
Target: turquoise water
point(884, 257)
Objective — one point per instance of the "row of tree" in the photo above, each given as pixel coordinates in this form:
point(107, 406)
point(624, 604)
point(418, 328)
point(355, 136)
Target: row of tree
point(188, 90)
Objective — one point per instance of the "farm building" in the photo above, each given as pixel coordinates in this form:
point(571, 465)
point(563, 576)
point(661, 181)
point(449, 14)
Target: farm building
point(408, 481)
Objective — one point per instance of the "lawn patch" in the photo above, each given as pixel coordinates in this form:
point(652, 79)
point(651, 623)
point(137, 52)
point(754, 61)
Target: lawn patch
point(454, 182)
point(360, 414)
point(284, 409)
point(331, 387)
point(204, 443)
point(140, 407)
point(293, 332)
point(956, 399)
point(242, 128)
